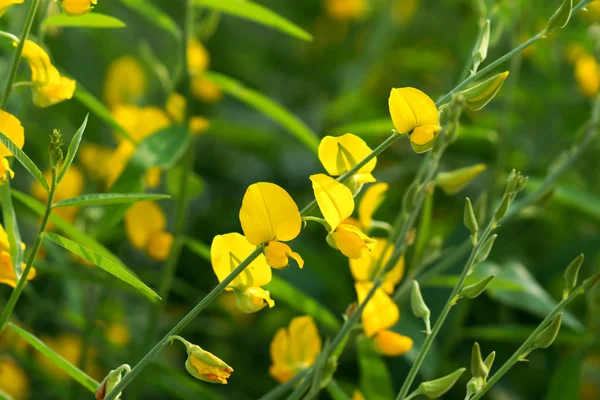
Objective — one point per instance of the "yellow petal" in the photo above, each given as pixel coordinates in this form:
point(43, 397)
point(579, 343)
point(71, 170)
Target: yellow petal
point(159, 245)
point(53, 93)
point(411, 108)
point(175, 107)
point(304, 341)
point(351, 241)
point(370, 202)
point(277, 254)
point(339, 154)
point(587, 75)
point(424, 134)
point(143, 220)
point(5, 4)
point(357, 395)
point(198, 57)
point(206, 90)
point(152, 177)
point(141, 122)
point(7, 272)
point(334, 199)
point(279, 347)
point(11, 127)
point(345, 10)
point(42, 70)
point(13, 379)
point(5, 172)
point(77, 8)
point(365, 268)
point(392, 344)
point(4, 243)
point(253, 299)
point(225, 252)
point(124, 81)
point(380, 313)
point(198, 125)
point(94, 159)
point(269, 213)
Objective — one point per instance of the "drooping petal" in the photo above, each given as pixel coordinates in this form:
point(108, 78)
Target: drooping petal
point(339, 154)
point(11, 127)
point(143, 220)
point(7, 272)
point(277, 254)
point(334, 199)
point(370, 202)
point(411, 108)
point(226, 253)
point(252, 299)
point(392, 344)
point(269, 213)
point(42, 70)
point(50, 94)
point(351, 241)
point(380, 313)
point(367, 267)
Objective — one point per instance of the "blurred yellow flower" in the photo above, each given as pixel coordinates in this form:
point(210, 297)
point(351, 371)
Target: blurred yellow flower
point(414, 112)
point(175, 107)
point(392, 344)
point(269, 215)
point(13, 379)
point(226, 253)
point(198, 57)
point(344, 10)
point(152, 177)
point(5, 172)
point(118, 334)
point(380, 312)
point(11, 127)
point(124, 81)
point(587, 74)
point(5, 4)
point(70, 186)
point(357, 395)
point(50, 94)
point(340, 154)
point(593, 12)
point(204, 365)
point(76, 8)
point(69, 347)
point(294, 349)
point(206, 90)
point(198, 125)
point(366, 268)
point(370, 202)
point(145, 227)
point(8, 275)
point(94, 158)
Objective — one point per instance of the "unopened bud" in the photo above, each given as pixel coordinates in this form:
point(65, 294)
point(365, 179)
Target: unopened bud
point(437, 388)
point(55, 149)
point(489, 360)
point(482, 93)
point(548, 335)
point(470, 220)
point(204, 365)
point(503, 208)
point(111, 381)
point(561, 17)
point(481, 48)
point(474, 290)
point(571, 274)
point(485, 249)
point(478, 367)
point(454, 181)
point(419, 308)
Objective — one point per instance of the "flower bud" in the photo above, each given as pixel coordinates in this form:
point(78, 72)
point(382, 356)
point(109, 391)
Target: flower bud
point(110, 381)
point(454, 181)
point(489, 360)
point(561, 17)
point(470, 220)
point(55, 149)
point(484, 250)
point(474, 290)
point(478, 367)
point(548, 335)
point(503, 208)
point(419, 308)
point(436, 388)
point(571, 274)
point(480, 94)
point(481, 48)
point(204, 365)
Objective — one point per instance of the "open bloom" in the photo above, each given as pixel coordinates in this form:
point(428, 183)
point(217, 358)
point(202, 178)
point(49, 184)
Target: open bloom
point(204, 365)
point(145, 226)
point(340, 154)
point(337, 204)
point(124, 81)
point(366, 268)
point(414, 112)
point(269, 215)
point(370, 202)
point(5, 4)
point(380, 312)
point(76, 8)
point(8, 275)
point(226, 253)
point(294, 349)
point(11, 127)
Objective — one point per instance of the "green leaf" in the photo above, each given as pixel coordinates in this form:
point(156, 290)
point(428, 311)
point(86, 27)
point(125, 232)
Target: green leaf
point(154, 15)
point(12, 229)
point(60, 362)
point(91, 20)
point(102, 263)
point(100, 110)
point(371, 128)
point(302, 303)
point(578, 199)
point(375, 379)
point(194, 183)
point(256, 13)
point(268, 107)
point(99, 199)
point(566, 379)
point(533, 298)
point(196, 246)
point(73, 147)
point(24, 160)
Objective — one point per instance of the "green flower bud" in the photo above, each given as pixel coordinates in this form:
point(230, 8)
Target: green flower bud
point(110, 381)
point(547, 336)
point(473, 386)
point(481, 48)
point(503, 208)
point(55, 149)
point(482, 93)
point(436, 388)
point(470, 220)
point(478, 367)
point(474, 290)
point(419, 308)
point(561, 17)
point(571, 274)
point(489, 360)
point(485, 249)
point(453, 182)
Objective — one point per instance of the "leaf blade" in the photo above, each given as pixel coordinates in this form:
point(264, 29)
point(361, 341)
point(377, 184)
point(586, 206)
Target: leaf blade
point(24, 160)
point(73, 147)
point(91, 20)
point(98, 199)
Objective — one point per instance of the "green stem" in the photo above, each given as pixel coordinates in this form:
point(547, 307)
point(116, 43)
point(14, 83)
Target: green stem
point(526, 345)
point(279, 390)
point(14, 297)
point(14, 65)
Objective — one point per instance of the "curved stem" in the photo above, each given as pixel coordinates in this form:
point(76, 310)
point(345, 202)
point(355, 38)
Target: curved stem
point(14, 65)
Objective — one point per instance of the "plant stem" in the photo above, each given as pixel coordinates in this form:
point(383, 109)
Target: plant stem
point(14, 65)
point(279, 390)
point(14, 297)
point(525, 346)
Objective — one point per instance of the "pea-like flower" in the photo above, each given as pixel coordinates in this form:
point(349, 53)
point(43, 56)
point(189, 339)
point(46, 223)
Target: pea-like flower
point(269, 215)
point(226, 254)
point(5, 4)
point(204, 365)
point(294, 348)
point(340, 154)
point(337, 204)
point(11, 127)
point(145, 227)
point(124, 81)
point(414, 113)
point(587, 74)
point(370, 202)
point(77, 8)
point(366, 268)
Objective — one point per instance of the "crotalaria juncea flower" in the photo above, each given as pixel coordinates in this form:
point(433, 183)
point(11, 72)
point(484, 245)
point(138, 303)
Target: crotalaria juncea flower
point(294, 348)
point(414, 112)
point(340, 154)
point(13, 379)
point(204, 365)
point(145, 227)
point(366, 268)
point(392, 344)
point(370, 202)
point(380, 312)
point(124, 81)
point(11, 126)
point(77, 8)
point(269, 215)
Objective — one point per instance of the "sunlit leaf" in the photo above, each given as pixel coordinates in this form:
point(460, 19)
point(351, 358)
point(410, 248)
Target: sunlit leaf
point(91, 20)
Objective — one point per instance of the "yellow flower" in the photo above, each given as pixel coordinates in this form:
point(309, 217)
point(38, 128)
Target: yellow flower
point(76, 8)
point(94, 159)
point(365, 268)
point(344, 10)
point(152, 177)
point(4, 243)
point(70, 186)
point(5, 4)
point(124, 82)
point(392, 344)
point(69, 347)
point(357, 395)
point(380, 313)
point(198, 57)
point(13, 380)
point(5, 172)
point(50, 94)
point(351, 241)
point(370, 202)
point(294, 349)
point(587, 75)
point(340, 154)
point(269, 215)
point(7, 271)
point(226, 253)
point(175, 107)
point(206, 90)
point(198, 125)
point(145, 227)
point(204, 365)
point(11, 127)
point(413, 112)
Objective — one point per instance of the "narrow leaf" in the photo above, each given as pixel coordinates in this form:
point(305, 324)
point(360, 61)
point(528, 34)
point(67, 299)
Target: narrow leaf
point(12, 229)
point(561, 17)
point(73, 147)
point(24, 160)
point(57, 359)
point(91, 20)
point(99, 199)
point(268, 107)
point(375, 378)
point(102, 263)
point(256, 13)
